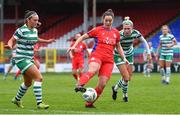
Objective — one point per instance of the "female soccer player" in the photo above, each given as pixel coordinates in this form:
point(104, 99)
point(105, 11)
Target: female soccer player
point(101, 59)
point(167, 41)
point(128, 35)
point(77, 57)
point(25, 38)
point(12, 63)
point(148, 64)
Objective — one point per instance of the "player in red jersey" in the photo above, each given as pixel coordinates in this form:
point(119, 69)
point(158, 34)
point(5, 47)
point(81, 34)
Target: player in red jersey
point(77, 57)
point(36, 61)
point(101, 59)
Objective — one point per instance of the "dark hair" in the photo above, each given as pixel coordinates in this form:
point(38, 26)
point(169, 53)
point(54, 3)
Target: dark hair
point(109, 12)
point(28, 14)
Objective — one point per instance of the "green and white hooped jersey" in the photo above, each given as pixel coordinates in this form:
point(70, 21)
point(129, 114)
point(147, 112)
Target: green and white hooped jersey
point(127, 42)
point(164, 41)
point(25, 40)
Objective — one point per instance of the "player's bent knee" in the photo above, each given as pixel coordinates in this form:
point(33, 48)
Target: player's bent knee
point(28, 84)
point(40, 79)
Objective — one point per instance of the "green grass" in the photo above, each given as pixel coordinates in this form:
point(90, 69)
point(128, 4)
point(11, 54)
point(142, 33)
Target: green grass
point(146, 96)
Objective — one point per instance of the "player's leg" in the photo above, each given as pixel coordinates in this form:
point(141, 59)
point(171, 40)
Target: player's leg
point(99, 89)
point(161, 67)
point(75, 74)
point(36, 62)
point(74, 69)
point(145, 69)
point(126, 73)
point(81, 67)
point(35, 74)
point(104, 76)
point(149, 68)
point(23, 66)
point(122, 83)
point(168, 68)
point(30, 71)
point(8, 71)
point(21, 91)
point(17, 74)
point(94, 66)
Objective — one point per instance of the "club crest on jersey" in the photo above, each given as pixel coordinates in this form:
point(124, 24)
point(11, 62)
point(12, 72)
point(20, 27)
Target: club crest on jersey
point(109, 41)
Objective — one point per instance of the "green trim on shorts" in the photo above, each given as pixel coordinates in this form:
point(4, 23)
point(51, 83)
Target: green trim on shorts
point(24, 64)
point(167, 58)
point(119, 61)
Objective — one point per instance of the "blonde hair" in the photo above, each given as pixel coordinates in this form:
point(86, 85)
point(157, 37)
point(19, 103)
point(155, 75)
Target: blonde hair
point(127, 21)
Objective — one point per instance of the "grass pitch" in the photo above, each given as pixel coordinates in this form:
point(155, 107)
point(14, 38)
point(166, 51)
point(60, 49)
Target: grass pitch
point(146, 96)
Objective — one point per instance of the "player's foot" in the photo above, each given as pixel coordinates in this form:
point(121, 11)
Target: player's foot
point(167, 83)
point(15, 78)
point(114, 95)
point(163, 81)
point(80, 88)
point(4, 78)
point(18, 103)
point(42, 106)
point(89, 105)
point(125, 99)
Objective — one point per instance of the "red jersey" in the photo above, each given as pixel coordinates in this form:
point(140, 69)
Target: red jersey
point(105, 41)
point(36, 48)
point(79, 50)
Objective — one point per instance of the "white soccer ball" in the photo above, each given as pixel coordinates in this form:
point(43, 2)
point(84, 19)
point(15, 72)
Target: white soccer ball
point(90, 95)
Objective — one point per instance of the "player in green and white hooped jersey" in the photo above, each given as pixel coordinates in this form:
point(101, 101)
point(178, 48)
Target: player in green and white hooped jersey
point(128, 35)
point(25, 38)
point(167, 41)
point(12, 63)
point(148, 64)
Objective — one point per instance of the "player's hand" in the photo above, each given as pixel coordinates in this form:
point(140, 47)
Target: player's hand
point(169, 45)
point(8, 47)
point(71, 56)
point(70, 49)
point(125, 60)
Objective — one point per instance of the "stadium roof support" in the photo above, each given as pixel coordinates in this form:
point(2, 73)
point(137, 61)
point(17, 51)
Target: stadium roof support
point(1, 19)
point(94, 13)
point(85, 25)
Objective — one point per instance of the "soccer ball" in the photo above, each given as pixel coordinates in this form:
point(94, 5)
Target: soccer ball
point(90, 95)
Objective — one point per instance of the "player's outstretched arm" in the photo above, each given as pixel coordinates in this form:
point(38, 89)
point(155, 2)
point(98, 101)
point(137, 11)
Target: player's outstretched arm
point(147, 47)
point(121, 52)
point(11, 43)
point(46, 41)
point(157, 51)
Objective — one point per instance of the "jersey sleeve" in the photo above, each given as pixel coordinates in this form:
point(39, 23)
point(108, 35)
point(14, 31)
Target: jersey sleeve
point(118, 37)
point(93, 32)
point(17, 34)
point(172, 37)
point(139, 36)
